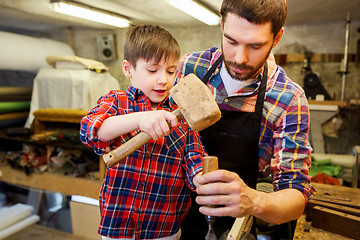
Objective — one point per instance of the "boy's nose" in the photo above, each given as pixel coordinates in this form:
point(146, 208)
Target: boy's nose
point(162, 79)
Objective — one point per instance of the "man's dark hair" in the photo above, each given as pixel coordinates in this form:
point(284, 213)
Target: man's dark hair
point(257, 11)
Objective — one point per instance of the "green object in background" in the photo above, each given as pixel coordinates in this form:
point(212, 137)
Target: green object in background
point(325, 166)
point(322, 162)
point(6, 107)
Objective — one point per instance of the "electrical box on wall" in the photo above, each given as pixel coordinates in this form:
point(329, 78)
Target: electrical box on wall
point(106, 47)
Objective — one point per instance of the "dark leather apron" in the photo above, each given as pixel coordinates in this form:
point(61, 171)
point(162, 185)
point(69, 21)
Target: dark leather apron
point(234, 139)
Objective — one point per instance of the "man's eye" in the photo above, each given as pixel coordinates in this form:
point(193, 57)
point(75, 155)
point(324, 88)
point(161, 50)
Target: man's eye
point(152, 70)
point(255, 46)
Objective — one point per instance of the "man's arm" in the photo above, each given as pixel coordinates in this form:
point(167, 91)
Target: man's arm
point(227, 188)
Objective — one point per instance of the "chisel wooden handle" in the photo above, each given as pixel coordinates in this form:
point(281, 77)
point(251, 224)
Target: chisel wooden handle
point(120, 153)
point(210, 163)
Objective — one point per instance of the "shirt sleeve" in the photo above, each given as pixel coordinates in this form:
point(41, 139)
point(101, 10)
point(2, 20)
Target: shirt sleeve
point(292, 150)
point(107, 106)
point(194, 152)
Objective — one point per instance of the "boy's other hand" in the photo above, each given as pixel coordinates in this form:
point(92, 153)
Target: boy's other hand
point(158, 123)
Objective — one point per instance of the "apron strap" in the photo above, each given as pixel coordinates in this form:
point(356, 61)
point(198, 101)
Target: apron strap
point(262, 90)
point(212, 69)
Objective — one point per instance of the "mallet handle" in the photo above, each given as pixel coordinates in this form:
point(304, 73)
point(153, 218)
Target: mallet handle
point(120, 153)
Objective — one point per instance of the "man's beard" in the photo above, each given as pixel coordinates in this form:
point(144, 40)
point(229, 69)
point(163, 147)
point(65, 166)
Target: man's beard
point(253, 71)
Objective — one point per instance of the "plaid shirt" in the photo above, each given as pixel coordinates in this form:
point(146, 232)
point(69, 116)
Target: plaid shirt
point(147, 194)
point(284, 149)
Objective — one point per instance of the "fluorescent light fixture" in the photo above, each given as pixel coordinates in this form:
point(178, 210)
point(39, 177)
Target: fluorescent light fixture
point(83, 199)
point(80, 10)
point(197, 11)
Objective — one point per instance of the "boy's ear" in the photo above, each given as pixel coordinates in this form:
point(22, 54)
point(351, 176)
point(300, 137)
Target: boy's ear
point(126, 67)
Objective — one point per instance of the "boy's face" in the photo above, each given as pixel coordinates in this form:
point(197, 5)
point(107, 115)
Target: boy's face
point(154, 79)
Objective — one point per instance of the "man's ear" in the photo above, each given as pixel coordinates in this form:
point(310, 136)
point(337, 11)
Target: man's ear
point(278, 37)
point(126, 67)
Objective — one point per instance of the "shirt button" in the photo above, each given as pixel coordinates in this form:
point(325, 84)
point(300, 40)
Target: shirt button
point(149, 155)
point(226, 100)
point(216, 72)
point(143, 184)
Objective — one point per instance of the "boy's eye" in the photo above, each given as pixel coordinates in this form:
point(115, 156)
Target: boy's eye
point(152, 70)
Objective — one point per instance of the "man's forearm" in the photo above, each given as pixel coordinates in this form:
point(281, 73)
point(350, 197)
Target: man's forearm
point(279, 207)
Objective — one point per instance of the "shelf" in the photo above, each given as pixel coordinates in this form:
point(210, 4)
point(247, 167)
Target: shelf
point(52, 182)
point(27, 139)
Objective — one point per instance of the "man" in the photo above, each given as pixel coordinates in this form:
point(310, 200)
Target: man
point(265, 119)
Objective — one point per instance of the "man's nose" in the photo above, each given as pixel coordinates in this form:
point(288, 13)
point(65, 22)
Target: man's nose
point(241, 56)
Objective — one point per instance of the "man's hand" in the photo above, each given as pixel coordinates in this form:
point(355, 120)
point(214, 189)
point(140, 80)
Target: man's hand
point(226, 190)
point(234, 198)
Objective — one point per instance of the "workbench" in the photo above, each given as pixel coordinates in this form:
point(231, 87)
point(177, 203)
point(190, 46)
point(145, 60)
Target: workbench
point(304, 230)
point(38, 232)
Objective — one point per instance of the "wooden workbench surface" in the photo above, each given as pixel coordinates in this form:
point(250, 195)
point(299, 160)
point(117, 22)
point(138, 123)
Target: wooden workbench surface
point(342, 192)
point(38, 232)
point(51, 182)
point(304, 230)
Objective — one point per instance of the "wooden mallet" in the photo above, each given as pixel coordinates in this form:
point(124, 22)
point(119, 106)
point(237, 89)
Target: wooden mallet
point(195, 103)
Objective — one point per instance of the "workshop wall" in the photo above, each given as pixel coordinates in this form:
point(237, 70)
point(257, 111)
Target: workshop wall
point(318, 38)
point(326, 39)
point(323, 39)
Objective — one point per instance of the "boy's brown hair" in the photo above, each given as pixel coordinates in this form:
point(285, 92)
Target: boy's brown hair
point(149, 42)
point(258, 11)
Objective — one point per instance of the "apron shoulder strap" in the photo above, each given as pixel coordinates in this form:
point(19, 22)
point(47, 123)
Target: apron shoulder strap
point(262, 90)
point(207, 75)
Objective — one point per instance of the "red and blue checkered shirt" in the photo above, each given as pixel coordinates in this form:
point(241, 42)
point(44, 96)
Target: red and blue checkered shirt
point(148, 194)
point(284, 149)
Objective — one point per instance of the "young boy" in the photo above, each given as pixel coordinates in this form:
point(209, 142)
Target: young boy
point(147, 195)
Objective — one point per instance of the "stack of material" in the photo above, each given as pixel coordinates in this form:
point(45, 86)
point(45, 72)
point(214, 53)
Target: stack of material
point(14, 105)
point(15, 218)
point(335, 213)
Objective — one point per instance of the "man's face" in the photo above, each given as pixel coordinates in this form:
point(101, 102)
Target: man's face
point(245, 46)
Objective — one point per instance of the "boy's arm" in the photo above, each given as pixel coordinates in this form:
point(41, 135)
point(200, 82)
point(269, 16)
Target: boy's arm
point(154, 123)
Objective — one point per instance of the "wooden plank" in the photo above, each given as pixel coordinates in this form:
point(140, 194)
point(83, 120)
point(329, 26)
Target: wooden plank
point(85, 219)
point(241, 228)
point(316, 58)
point(337, 222)
point(338, 207)
point(52, 182)
point(341, 192)
point(340, 201)
point(328, 102)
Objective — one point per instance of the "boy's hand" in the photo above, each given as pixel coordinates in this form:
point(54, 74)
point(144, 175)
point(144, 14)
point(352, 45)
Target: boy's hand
point(156, 123)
